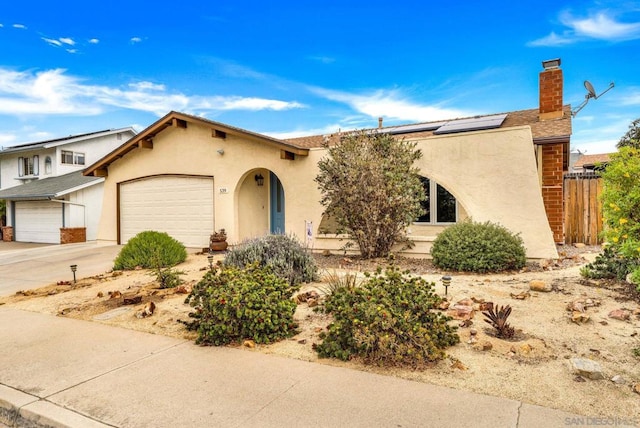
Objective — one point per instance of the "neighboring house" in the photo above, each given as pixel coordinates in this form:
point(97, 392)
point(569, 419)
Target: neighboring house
point(46, 191)
point(189, 176)
point(591, 163)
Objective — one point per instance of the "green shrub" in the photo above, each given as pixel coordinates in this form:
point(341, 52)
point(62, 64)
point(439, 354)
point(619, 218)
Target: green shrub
point(167, 277)
point(388, 320)
point(282, 253)
point(232, 304)
point(478, 247)
point(150, 249)
point(609, 264)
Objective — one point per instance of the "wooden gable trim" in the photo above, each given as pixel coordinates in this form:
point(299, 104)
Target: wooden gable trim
point(180, 120)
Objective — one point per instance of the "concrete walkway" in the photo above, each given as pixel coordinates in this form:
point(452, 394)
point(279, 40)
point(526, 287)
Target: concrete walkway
point(63, 372)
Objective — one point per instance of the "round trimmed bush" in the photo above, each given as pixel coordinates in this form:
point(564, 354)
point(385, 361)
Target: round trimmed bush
point(478, 247)
point(283, 254)
point(150, 249)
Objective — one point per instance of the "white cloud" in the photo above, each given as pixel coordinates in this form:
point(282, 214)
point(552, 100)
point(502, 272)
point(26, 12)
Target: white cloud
point(141, 86)
point(94, 41)
point(600, 25)
point(52, 42)
point(20, 26)
point(72, 51)
point(631, 97)
point(54, 92)
point(325, 130)
point(391, 105)
point(135, 40)
point(7, 139)
point(67, 41)
point(1, 25)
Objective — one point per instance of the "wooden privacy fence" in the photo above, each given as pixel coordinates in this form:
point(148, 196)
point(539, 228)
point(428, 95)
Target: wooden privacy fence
point(582, 208)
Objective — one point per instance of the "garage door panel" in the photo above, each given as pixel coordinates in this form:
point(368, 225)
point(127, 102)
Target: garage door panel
point(38, 221)
point(179, 206)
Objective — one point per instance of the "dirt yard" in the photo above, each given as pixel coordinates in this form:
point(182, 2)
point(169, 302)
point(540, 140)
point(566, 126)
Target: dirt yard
point(572, 320)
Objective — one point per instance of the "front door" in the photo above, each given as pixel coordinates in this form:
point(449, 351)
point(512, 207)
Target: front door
point(277, 205)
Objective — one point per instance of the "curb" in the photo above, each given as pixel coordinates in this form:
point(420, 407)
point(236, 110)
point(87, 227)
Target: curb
point(19, 409)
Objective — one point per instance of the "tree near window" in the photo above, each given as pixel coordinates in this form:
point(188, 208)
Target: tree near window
point(371, 188)
point(632, 137)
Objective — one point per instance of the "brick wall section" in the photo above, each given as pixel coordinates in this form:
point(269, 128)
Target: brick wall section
point(552, 155)
point(551, 90)
point(70, 235)
point(7, 233)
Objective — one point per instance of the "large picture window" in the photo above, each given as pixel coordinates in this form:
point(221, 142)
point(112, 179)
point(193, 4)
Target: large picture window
point(440, 205)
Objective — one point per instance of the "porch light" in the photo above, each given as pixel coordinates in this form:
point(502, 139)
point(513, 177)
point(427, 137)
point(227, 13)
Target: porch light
point(74, 268)
point(446, 281)
point(259, 179)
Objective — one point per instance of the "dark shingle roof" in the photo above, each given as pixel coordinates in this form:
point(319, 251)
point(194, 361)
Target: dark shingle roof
point(541, 130)
point(48, 188)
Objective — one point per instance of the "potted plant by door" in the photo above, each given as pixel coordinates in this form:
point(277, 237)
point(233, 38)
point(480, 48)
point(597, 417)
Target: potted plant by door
point(218, 241)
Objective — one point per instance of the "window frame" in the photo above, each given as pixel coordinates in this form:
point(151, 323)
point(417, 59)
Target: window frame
point(69, 157)
point(28, 166)
point(433, 204)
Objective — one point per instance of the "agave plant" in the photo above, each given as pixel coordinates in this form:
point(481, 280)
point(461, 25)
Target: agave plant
point(497, 317)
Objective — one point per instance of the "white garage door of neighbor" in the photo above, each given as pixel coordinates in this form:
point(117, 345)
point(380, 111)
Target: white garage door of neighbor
point(38, 221)
point(179, 206)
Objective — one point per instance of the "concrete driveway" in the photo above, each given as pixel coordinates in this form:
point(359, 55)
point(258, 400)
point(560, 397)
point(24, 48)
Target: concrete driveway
point(24, 266)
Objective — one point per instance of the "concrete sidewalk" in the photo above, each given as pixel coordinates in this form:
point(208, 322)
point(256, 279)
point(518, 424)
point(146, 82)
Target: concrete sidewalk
point(62, 372)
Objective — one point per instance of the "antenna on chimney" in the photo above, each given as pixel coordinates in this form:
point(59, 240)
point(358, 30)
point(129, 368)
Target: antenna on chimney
point(591, 93)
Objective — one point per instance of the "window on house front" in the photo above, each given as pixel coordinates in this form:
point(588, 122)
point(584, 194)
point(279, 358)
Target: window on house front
point(47, 165)
point(72, 158)
point(440, 205)
point(27, 166)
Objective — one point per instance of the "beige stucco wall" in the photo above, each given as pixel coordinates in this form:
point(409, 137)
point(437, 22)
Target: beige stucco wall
point(192, 151)
point(491, 173)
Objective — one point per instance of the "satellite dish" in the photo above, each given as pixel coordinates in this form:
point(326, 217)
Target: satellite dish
point(591, 93)
point(590, 89)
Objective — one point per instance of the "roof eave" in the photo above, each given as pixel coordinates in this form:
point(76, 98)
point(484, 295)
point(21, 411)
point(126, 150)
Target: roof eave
point(169, 120)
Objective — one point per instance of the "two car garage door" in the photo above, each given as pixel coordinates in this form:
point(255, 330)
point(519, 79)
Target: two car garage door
point(181, 206)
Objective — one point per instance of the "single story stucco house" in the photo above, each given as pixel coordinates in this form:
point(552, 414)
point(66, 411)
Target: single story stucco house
point(189, 176)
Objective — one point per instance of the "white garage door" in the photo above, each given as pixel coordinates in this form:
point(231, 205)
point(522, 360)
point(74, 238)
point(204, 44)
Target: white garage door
point(179, 206)
point(38, 221)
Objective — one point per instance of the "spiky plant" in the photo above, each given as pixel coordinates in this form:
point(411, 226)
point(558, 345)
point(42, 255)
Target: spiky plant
point(497, 317)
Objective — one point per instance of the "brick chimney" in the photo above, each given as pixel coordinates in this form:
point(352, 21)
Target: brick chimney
point(551, 87)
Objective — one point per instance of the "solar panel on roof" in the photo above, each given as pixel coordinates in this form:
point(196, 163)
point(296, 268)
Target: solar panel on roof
point(417, 127)
point(471, 124)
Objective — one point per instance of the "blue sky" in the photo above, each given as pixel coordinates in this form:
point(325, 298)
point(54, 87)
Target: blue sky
point(287, 68)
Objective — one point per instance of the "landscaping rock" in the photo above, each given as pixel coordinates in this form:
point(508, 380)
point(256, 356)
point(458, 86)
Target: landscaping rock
point(620, 314)
point(579, 317)
point(541, 286)
point(617, 379)
point(520, 296)
point(131, 299)
point(461, 312)
point(587, 368)
point(147, 311)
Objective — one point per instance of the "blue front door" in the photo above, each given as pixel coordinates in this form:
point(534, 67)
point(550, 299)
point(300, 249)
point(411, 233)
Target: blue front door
point(277, 205)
